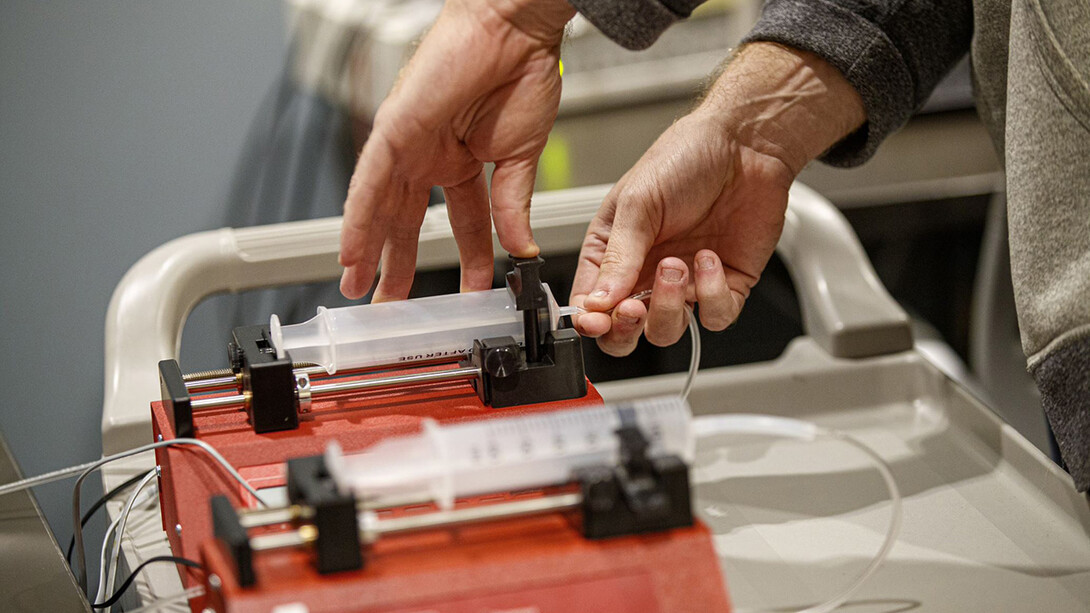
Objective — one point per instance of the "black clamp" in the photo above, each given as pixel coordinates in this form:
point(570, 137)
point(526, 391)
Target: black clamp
point(309, 484)
point(267, 381)
point(548, 367)
point(176, 399)
point(338, 543)
point(229, 531)
point(642, 494)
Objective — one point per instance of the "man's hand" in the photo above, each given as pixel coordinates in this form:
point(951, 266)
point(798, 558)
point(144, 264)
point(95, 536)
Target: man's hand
point(711, 192)
point(484, 86)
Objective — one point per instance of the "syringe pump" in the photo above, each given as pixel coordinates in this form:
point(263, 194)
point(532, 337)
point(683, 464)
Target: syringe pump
point(507, 343)
point(267, 408)
point(582, 509)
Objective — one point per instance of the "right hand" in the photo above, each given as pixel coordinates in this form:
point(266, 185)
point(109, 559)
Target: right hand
point(484, 86)
point(709, 196)
point(700, 201)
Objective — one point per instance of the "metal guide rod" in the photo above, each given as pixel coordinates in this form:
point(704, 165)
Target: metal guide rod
point(323, 389)
point(212, 383)
point(454, 374)
point(423, 521)
point(211, 380)
point(256, 518)
point(466, 515)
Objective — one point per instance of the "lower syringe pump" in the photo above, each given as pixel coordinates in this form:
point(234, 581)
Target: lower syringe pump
point(404, 331)
point(446, 462)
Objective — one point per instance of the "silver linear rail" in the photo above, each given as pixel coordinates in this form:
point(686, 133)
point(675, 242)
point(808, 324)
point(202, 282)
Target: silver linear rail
point(337, 387)
point(424, 521)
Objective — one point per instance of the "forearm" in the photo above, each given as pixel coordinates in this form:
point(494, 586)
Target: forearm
point(894, 52)
point(783, 102)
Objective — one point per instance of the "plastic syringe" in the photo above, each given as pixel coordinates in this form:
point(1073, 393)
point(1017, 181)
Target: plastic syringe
point(404, 331)
point(446, 462)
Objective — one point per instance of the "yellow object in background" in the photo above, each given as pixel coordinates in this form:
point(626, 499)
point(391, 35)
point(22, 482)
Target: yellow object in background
point(554, 167)
point(561, 67)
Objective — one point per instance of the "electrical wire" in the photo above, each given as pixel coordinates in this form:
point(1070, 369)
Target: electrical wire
point(96, 506)
point(110, 572)
point(50, 477)
point(111, 533)
point(709, 425)
point(106, 540)
point(132, 577)
point(81, 562)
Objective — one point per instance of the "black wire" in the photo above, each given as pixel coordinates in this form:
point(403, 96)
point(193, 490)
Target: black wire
point(124, 586)
point(98, 505)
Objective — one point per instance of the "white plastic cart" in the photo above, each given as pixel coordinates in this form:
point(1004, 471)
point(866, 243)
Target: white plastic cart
point(991, 524)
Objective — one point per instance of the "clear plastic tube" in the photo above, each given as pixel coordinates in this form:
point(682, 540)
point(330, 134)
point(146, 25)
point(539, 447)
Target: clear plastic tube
point(387, 333)
point(710, 425)
point(694, 337)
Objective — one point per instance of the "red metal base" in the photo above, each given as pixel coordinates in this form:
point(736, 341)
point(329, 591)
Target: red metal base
point(190, 478)
point(542, 562)
point(527, 565)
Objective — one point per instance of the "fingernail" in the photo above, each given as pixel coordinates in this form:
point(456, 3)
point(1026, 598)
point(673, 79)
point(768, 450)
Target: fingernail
point(672, 275)
point(705, 262)
point(601, 293)
point(625, 319)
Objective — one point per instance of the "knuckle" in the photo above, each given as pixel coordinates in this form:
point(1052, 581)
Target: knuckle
point(715, 321)
point(613, 260)
point(663, 336)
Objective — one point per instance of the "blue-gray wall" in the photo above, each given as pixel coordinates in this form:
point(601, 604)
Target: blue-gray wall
point(120, 125)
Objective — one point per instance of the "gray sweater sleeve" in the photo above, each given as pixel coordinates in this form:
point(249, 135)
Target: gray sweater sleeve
point(634, 24)
point(894, 52)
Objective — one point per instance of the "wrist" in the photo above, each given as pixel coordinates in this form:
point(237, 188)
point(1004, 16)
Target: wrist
point(783, 102)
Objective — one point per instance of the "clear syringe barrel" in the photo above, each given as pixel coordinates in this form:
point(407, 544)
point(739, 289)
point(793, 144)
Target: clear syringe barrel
point(388, 333)
point(446, 462)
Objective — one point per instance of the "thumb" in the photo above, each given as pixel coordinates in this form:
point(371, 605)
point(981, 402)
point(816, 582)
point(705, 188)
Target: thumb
point(627, 244)
point(512, 186)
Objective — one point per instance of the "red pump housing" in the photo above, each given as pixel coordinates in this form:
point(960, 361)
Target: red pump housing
point(539, 564)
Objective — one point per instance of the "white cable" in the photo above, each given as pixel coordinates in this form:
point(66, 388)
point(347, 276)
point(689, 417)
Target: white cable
point(81, 562)
point(50, 477)
point(111, 572)
point(102, 558)
point(707, 425)
point(112, 532)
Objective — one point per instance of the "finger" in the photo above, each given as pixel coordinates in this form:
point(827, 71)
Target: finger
point(365, 219)
point(357, 279)
point(354, 278)
point(399, 252)
point(627, 323)
point(719, 307)
point(368, 191)
point(666, 316)
point(629, 240)
point(512, 186)
point(467, 207)
point(592, 324)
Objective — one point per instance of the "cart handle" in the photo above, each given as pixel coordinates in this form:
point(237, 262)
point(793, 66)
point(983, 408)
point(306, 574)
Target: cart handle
point(845, 308)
